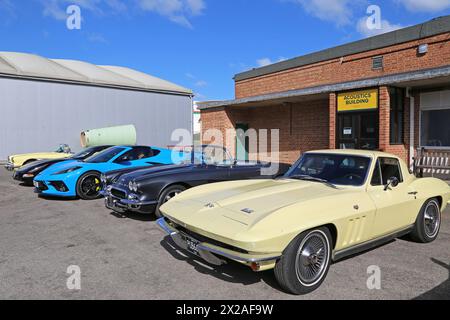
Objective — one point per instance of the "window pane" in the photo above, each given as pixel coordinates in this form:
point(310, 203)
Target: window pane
point(376, 177)
point(397, 114)
point(390, 168)
point(435, 131)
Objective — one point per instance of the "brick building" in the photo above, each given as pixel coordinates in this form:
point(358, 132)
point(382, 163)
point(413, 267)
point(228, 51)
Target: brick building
point(389, 92)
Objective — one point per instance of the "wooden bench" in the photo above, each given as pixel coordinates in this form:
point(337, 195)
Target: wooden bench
point(432, 162)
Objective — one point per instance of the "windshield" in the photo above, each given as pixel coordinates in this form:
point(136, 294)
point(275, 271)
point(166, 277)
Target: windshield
point(84, 153)
point(105, 156)
point(212, 155)
point(336, 169)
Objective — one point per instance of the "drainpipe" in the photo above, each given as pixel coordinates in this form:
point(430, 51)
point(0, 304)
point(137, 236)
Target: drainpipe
point(411, 126)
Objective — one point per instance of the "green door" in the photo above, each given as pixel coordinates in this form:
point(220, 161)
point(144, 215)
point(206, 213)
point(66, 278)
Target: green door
point(242, 142)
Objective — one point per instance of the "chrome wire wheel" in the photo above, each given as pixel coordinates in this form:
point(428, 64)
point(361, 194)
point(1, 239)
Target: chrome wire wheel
point(432, 219)
point(312, 258)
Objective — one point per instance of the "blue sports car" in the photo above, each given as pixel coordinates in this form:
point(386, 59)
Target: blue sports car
point(82, 178)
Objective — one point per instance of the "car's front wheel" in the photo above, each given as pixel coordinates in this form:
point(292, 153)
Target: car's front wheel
point(428, 223)
point(89, 186)
point(305, 262)
point(166, 195)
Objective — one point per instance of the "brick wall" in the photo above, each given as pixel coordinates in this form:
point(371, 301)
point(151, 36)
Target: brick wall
point(397, 59)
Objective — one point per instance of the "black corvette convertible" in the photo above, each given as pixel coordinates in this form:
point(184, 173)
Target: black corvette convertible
point(146, 189)
point(26, 174)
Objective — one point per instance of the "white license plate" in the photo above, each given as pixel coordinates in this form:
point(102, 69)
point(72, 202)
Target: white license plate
point(192, 245)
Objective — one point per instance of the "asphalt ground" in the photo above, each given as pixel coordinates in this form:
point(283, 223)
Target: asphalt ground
point(128, 257)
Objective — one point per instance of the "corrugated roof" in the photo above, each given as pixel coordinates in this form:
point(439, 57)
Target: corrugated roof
point(33, 66)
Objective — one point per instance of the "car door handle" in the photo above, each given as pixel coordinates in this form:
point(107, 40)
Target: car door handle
point(414, 193)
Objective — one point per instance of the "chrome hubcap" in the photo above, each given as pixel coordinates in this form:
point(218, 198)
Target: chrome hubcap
point(432, 219)
point(312, 258)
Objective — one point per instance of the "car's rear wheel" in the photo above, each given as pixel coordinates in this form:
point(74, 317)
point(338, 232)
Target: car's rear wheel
point(89, 186)
point(166, 195)
point(428, 223)
point(305, 262)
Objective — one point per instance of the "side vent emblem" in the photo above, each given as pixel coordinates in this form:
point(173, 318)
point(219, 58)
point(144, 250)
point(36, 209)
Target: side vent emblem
point(247, 210)
point(209, 205)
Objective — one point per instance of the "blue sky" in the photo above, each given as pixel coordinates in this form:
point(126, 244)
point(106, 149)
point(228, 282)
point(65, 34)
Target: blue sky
point(200, 44)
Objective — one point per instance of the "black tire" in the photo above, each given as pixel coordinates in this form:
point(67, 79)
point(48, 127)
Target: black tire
point(166, 195)
point(428, 223)
point(288, 272)
point(89, 186)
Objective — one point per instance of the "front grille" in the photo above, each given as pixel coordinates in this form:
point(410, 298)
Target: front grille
point(59, 186)
point(204, 239)
point(41, 186)
point(118, 194)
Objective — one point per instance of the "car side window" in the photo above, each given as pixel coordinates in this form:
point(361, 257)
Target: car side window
point(376, 177)
point(385, 169)
point(390, 168)
point(136, 154)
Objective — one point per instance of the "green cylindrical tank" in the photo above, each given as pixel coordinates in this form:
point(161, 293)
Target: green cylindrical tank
point(121, 135)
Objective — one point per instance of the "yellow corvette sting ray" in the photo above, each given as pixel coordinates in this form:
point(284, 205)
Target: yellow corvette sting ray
point(19, 160)
point(331, 204)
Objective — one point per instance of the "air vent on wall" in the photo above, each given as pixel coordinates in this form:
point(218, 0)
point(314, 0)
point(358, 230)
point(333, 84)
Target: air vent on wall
point(377, 63)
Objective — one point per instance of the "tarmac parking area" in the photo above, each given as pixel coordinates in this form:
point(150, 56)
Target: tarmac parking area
point(127, 257)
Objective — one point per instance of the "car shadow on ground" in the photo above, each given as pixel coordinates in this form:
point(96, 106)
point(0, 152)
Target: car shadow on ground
point(232, 272)
point(134, 216)
point(442, 291)
point(60, 199)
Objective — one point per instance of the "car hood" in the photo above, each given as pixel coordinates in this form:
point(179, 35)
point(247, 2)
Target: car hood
point(58, 167)
point(148, 173)
point(242, 203)
point(39, 163)
point(40, 155)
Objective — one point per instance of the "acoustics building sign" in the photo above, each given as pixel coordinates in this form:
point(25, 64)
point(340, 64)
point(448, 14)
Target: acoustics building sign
point(358, 100)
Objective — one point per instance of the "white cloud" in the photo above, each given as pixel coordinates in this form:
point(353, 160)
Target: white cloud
point(97, 38)
point(177, 11)
point(267, 61)
point(426, 5)
point(337, 11)
point(386, 26)
point(196, 82)
point(201, 83)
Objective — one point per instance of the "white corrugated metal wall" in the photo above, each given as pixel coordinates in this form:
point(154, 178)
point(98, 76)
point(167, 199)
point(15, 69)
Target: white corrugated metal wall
point(39, 115)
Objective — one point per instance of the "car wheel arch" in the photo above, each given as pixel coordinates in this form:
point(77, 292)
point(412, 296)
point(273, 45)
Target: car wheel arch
point(181, 184)
point(330, 226)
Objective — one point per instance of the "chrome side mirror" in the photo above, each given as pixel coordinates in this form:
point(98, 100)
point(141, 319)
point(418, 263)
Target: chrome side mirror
point(392, 182)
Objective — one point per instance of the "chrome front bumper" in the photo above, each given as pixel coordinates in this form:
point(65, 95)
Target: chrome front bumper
point(124, 205)
point(211, 253)
point(10, 166)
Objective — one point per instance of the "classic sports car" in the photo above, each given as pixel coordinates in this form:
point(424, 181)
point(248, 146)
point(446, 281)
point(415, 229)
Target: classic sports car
point(27, 173)
point(329, 205)
point(19, 160)
point(82, 178)
point(145, 190)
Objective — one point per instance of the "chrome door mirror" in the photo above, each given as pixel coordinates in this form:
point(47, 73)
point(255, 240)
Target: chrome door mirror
point(392, 182)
